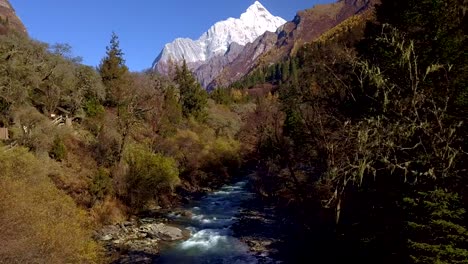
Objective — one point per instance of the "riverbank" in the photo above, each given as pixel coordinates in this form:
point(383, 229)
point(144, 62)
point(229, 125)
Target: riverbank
point(228, 225)
point(139, 241)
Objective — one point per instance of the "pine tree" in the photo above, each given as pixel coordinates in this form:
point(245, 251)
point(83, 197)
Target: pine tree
point(172, 112)
point(278, 72)
point(222, 95)
point(193, 97)
point(294, 68)
point(285, 71)
point(114, 73)
point(436, 233)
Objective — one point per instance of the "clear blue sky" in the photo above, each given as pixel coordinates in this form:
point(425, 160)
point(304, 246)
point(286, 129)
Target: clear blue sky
point(144, 26)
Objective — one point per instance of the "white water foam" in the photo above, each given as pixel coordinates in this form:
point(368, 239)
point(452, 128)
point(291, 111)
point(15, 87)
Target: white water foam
point(205, 240)
point(212, 240)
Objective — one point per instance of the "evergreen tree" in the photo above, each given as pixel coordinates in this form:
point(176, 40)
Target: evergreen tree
point(222, 96)
point(294, 68)
point(278, 72)
point(114, 73)
point(285, 71)
point(193, 97)
point(436, 233)
point(172, 112)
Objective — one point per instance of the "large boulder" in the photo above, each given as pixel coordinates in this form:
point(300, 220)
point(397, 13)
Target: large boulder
point(138, 239)
point(162, 231)
point(127, 237)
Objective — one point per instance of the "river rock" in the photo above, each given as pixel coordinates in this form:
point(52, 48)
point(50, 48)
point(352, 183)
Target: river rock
point(186, 213)
point(106, 237)
point(183, 213)
point(148, 246)
point(110, 230)
point(162, 231)
point(128, 237)
point(127, 224)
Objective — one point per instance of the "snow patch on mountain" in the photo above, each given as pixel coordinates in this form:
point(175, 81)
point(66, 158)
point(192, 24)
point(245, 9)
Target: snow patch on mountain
point(216, 41)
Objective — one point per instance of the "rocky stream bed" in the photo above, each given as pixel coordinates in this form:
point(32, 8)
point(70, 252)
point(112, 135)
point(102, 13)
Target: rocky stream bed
point(226, 226)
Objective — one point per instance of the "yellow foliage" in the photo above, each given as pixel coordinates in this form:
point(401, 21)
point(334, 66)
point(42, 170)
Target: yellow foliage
point(223, 145)
point(108, 212)
point(348, 24)
point(237, 95)
point(206, 149)
point(38, 222)
point(223, 121)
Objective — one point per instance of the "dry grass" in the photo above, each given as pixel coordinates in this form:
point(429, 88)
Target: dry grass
point(108, 212)
point(38, 222)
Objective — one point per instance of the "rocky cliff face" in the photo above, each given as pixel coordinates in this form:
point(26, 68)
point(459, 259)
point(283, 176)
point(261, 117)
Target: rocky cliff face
point(306, 27)
point(8, 19)
point(219, 45)
point(209, 70)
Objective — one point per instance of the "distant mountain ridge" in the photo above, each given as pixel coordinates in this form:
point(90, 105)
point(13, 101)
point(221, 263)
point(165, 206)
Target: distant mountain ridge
point(220, 44)
point(307, 26)
point(8, 18)
point(224, 61)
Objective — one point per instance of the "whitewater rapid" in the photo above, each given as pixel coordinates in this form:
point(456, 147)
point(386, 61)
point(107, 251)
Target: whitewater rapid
point(210, 221)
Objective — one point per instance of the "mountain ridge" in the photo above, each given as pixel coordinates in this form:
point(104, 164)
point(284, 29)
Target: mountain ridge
point(217, 41)
point(307, 26)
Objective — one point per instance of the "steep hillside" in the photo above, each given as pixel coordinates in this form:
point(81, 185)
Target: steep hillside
point(306, 27)
point(8, 18)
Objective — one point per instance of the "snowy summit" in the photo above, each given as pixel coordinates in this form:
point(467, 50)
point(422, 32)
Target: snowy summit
point(216, 41)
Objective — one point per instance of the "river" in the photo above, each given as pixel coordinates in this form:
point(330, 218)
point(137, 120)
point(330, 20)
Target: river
point(210, 221)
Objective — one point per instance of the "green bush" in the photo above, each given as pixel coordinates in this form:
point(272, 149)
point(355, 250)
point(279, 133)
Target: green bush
point(93, 108)
point(101, 184)
point(149, 176)
point(33, 130)
point(59, 150)
point(222, 96)
point(204, 158)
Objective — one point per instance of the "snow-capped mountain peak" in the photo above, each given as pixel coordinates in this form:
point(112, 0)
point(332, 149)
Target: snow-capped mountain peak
point(216, 41)
point(256, 8)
